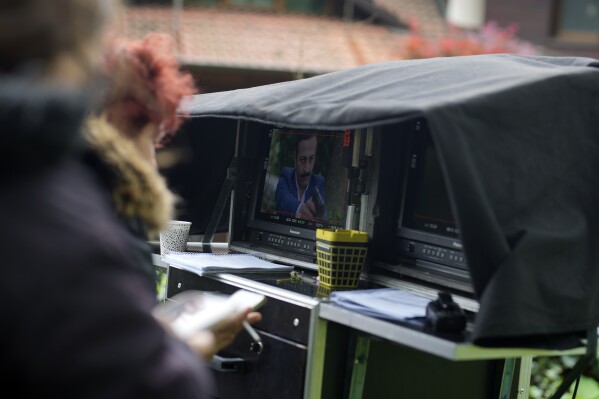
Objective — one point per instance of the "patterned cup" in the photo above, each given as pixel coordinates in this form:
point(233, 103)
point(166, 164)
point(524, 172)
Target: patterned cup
point(174, 238)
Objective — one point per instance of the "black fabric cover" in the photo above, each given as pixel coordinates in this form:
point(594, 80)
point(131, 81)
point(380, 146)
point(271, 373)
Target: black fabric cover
point(518, 139)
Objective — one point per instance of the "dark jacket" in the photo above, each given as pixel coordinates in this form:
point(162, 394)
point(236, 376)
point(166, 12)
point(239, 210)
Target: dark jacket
point(77, 308)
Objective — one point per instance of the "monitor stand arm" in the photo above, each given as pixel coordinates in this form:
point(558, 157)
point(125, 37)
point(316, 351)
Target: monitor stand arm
point(221, 202)
point(581, 365)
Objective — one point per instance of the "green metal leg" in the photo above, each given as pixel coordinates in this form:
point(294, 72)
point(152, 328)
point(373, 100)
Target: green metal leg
point(359, 370)
point(525, 374)
point(316, 355)
point(507, 378)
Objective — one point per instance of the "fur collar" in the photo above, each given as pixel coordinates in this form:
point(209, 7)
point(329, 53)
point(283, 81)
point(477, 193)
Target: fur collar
point(138, 190)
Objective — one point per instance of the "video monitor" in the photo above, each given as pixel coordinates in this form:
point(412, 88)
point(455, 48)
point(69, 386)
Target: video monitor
point(428, 208)
point(302, 185)
point(427, 232)
point(304, 182)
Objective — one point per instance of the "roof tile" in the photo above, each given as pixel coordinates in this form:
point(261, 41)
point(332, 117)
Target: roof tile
point(264, 40)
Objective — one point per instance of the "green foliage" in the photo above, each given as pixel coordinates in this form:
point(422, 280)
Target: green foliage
point(549, 372)
point(161, 283)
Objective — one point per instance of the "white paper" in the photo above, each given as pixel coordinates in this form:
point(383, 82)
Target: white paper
point(203, 263)
point(387, 303)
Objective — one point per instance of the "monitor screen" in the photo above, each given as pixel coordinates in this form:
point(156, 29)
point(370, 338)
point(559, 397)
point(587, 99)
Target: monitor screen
point(304, 179)
point(300, 182)
point(296, 181)
point(428, 235)
point(427, 207)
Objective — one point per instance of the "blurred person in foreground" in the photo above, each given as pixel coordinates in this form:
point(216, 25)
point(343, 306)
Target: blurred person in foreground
point(77, 320)
point(138, 112)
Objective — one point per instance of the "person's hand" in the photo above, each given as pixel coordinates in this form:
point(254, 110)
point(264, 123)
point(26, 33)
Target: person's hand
point(207, 343)
point(308, 210)
point(222, 334)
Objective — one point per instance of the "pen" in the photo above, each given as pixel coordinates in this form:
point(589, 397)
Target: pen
point(251, 331)
point(256, 346)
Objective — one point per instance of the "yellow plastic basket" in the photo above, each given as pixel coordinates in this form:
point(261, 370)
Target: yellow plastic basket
point(340, 255)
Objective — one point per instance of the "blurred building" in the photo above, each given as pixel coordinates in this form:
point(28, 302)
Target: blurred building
point(559, 26)
point(231, 44)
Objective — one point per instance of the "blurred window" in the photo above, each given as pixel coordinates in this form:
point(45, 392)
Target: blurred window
point(259, 3)
point(305, 6)
point(255, 4)
point(300, 6)
point(577, 20)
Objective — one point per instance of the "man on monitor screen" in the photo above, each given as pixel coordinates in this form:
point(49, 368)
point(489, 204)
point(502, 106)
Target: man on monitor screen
point(299, 191)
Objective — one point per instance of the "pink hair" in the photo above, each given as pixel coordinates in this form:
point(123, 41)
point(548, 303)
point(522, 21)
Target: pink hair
point(147, 84)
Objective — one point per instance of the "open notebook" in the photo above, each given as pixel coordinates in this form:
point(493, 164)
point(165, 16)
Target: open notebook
point(209, 263)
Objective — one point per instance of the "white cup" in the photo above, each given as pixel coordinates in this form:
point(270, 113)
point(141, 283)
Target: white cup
point(174, 238)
